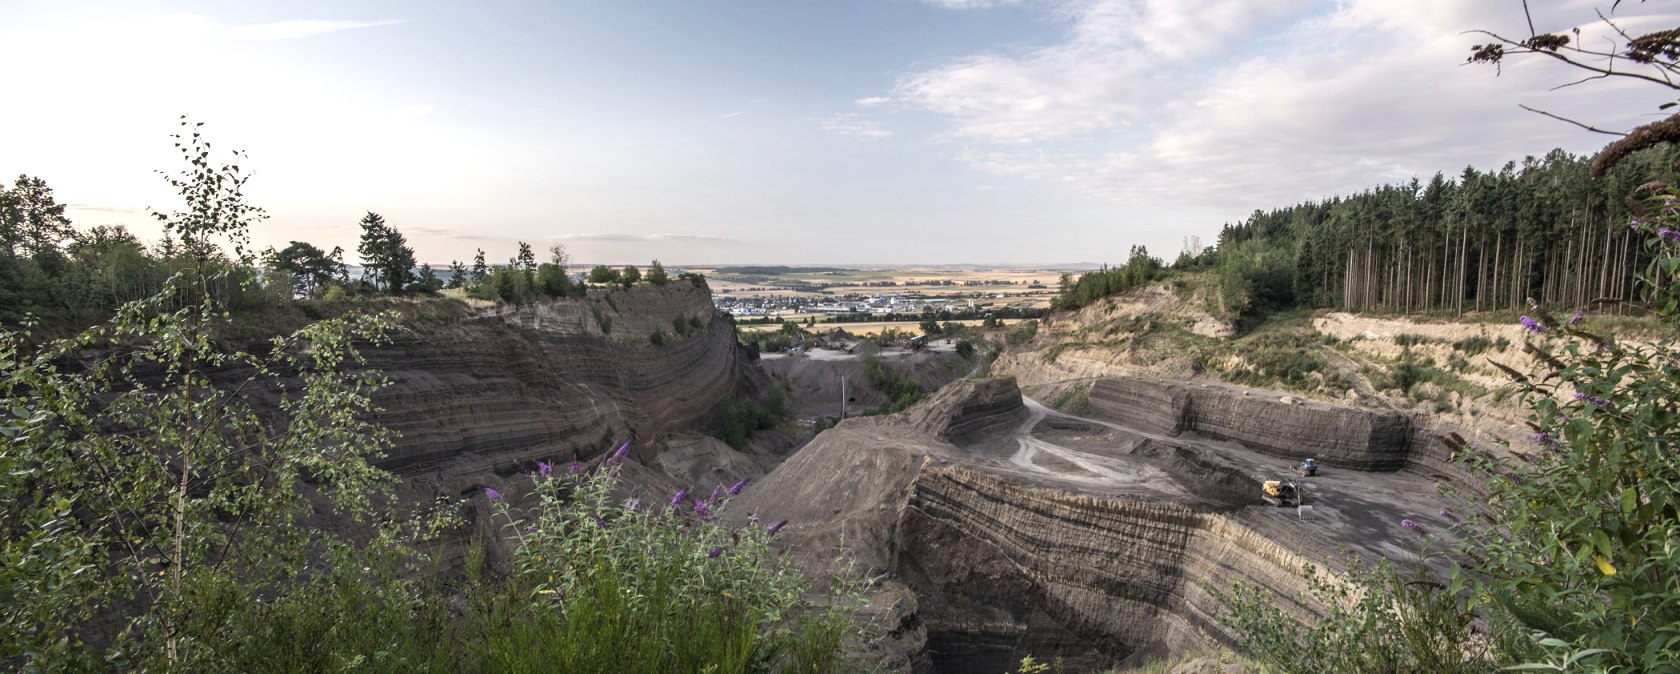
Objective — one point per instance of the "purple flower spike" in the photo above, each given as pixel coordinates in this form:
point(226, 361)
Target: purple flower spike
point(1513, 477)
point(1409, 524)
point(1595, 401)
point(716, 492)
point(1577, 318)
point(1670, 234)
point(619, 455)
point(678, 499)
point(1451, 516)
point(543, 468)
point(752, 519)
point(699, 506)
point(714, 553)
point(600, 521)
point(1545, 439)
point(1531, 325)
point(632, 504)
point(492, 494)
point(772, 529)
point(1635, 223)
point(736, 490)
point(576, 467)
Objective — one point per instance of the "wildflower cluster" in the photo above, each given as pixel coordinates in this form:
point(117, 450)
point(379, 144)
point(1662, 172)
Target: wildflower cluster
point(689, 588)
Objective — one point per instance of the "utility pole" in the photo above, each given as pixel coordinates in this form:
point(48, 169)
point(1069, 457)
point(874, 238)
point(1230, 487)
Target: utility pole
point(842, 397)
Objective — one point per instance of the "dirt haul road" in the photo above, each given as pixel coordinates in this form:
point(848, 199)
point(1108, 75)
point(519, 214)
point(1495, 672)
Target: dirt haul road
point(1355, 510)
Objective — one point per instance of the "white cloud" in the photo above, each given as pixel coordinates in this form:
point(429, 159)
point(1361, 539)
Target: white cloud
point(871, 101)
point(726, 115)
point(852, 125)
point(1259, 103)
point(291, 30)
point(1119, 59)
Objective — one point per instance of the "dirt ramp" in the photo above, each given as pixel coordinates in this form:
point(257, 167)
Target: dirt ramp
point(701, 461)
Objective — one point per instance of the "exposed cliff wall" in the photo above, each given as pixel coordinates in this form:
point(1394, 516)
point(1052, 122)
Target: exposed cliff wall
point(1005, 569)
point(986, 562)
point(1265, 421)
point(476, 395)
point(969, 410)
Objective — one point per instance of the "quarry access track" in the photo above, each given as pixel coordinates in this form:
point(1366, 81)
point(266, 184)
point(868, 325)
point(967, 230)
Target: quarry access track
point(1346, 509)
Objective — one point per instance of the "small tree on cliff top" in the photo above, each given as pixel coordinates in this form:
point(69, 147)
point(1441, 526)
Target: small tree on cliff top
point(143, 481)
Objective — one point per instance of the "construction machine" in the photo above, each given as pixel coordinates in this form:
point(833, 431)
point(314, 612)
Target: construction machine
point(1307, 468)
point(1281, 493)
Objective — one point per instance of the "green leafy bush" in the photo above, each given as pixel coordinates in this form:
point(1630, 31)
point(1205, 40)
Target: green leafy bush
point(1584, 520)
point(1373, 620)
point(900, 390)
point(139, 481)
point(1471, 346)
point(653, 587)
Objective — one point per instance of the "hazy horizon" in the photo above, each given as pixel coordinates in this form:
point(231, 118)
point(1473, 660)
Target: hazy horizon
point(766, 132)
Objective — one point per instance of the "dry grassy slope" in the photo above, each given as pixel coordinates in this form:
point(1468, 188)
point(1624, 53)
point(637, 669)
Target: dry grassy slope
point(1111, 337)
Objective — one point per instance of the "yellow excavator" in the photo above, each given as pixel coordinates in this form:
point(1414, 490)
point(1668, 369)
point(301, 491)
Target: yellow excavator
point(1281, 493)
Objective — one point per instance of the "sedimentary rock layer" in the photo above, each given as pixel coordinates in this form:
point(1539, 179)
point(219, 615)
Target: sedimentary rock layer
point(1268, 422)
point(1120, 575)
point(479, 394)
point(967, 411)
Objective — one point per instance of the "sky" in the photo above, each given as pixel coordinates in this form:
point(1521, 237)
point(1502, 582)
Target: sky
point(1026, 132)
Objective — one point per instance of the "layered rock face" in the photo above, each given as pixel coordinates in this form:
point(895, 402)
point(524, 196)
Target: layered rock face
point(987, 560)
point(1005, 569)
point(1003, 529)
point(1268, 422)
point(968, 411)
point(495, 391)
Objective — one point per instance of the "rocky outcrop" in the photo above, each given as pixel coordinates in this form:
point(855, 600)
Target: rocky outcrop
point(969, 409)
point(1265, 421)
point(476, 396)
point(984, 565)
point(1005, 570)
point(1155, 407)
